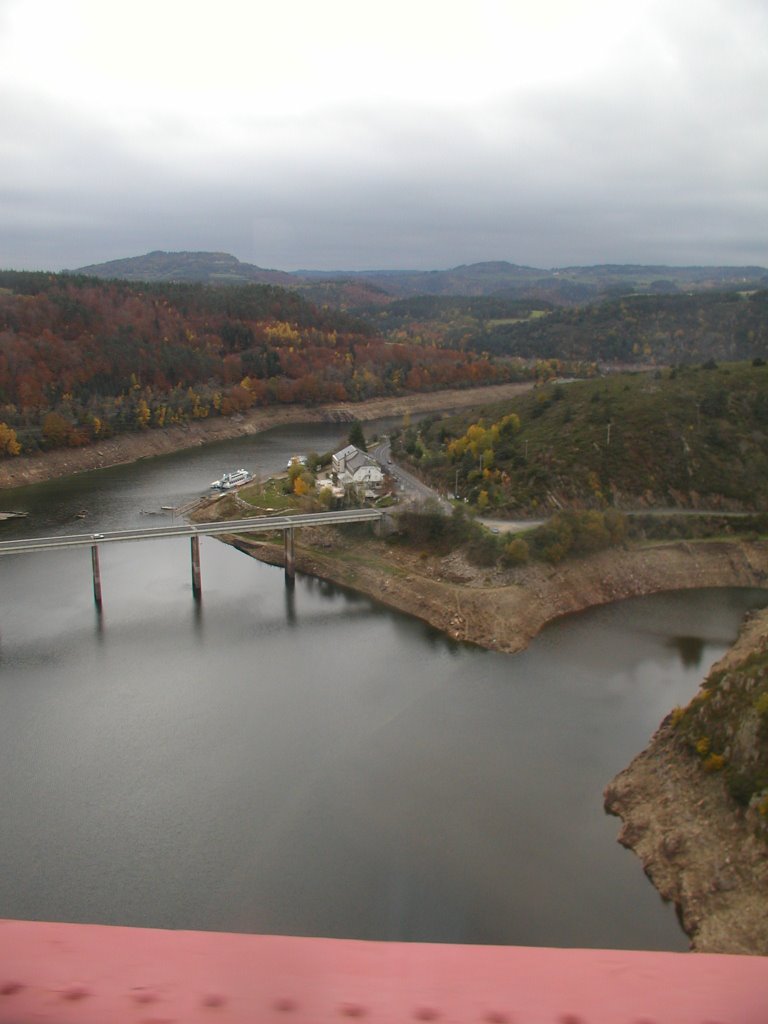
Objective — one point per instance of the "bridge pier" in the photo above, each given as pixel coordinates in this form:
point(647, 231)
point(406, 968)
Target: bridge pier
point(290, 555)
point(197, 589)
point(257, 524)
point(96, 575)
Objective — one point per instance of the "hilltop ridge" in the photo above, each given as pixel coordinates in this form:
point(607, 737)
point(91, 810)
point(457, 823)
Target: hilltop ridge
point(565, 285)
point(203, 267)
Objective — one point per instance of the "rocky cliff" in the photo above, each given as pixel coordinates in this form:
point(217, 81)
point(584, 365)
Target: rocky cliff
point(694, 804)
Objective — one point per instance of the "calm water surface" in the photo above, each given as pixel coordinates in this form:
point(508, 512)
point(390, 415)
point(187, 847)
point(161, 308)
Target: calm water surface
point(309, 762)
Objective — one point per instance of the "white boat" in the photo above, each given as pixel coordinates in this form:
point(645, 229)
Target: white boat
point(233, 479)
point(296, 460)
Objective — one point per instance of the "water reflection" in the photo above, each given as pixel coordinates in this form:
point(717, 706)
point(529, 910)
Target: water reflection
point(690, 649)
point(197, 618)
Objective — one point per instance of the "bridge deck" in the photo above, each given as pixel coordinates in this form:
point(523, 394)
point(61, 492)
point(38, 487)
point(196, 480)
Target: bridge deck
point(259, 524)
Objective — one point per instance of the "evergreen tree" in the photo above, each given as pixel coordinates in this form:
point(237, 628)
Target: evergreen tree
point(357, 437)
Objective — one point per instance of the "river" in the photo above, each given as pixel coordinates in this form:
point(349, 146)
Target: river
point(307, 761)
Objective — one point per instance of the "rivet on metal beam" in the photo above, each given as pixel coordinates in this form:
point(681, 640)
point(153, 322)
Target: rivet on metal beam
point(144, 996)
point(75, 992)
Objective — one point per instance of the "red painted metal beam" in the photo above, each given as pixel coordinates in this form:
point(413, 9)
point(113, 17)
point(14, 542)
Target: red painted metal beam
point(93, 974)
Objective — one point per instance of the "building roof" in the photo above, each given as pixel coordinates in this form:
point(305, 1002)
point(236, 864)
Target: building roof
point(345, 453)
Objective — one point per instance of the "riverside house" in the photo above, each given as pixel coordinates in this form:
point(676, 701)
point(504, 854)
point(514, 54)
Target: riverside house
point(353, 468)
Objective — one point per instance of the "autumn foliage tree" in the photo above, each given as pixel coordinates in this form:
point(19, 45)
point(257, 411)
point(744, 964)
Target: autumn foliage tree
point(9, 444)
point(82, 358)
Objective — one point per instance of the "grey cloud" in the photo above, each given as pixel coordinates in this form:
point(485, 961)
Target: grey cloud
point(666, 165)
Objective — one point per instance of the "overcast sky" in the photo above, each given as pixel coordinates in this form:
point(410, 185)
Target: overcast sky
point(413, 134)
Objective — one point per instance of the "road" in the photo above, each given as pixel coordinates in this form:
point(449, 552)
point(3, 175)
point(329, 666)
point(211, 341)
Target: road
point(416, 490)
point(410, 486)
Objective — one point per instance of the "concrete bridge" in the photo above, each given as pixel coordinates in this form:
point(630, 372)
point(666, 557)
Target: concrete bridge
point(90, 974)
point(286, 524)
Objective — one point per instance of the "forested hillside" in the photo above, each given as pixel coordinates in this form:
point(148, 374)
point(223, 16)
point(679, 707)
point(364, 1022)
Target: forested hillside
point(645, 330)
point(694, 437)
point(657, 329)
point(81, 358)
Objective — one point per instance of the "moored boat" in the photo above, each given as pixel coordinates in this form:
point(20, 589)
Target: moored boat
point(233, 479)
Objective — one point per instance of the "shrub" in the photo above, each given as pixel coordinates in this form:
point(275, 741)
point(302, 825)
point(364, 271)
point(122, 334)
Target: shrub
point(483, 549)
point(742, 785)
point(676, 716)
point(515, 552)
point(702, 746)
point(714, 763)
point(552, 541)
point(425, 526)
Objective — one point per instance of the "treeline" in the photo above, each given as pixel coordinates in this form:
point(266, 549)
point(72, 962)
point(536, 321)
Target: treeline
point(688, 437)
point(565, 535)
point(457, 321)
point(643, 329)
point(82, 359)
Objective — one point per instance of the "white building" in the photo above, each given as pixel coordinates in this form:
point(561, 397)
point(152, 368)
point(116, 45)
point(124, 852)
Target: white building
point(356, 469)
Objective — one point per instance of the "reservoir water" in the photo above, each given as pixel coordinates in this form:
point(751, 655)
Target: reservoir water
point(307, 761)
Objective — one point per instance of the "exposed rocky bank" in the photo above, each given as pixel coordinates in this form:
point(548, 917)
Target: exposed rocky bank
point(504, 609)
point(698, 846)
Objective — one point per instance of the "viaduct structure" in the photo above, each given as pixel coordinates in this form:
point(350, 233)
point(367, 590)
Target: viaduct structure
point(285, 524)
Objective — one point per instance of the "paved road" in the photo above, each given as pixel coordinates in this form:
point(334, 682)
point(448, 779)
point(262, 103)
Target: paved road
point(510, 525)
point(410, 486)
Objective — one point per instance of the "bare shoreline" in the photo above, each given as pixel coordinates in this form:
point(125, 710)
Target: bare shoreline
point(504, 611)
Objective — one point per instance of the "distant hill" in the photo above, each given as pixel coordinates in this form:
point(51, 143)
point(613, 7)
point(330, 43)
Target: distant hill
point(339, 291)
point(204, 267)
point(471, 279)
point(654, 328)
point(353, 289)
